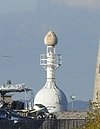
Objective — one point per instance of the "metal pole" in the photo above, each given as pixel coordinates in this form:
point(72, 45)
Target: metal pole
point(72, 103)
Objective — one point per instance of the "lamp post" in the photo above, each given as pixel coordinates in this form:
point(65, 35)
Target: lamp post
point(72, 103)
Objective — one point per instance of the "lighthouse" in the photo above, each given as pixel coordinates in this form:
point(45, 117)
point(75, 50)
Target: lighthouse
point(51, 96)
point(96, 94)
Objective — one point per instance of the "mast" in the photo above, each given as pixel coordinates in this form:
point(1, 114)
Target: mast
point(50, 61)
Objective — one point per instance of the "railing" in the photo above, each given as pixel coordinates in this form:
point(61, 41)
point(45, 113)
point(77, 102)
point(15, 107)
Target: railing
point(56, 60)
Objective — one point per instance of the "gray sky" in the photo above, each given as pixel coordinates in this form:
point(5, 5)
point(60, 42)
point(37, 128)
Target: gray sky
point(23, 25)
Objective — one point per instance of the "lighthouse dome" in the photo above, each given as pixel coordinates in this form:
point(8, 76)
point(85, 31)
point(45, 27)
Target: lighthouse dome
point(50, 39)
point(52, 98)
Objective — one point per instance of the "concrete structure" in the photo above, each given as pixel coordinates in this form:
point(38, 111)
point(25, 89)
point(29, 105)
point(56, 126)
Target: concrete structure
point(97, 79)
point(50, 95)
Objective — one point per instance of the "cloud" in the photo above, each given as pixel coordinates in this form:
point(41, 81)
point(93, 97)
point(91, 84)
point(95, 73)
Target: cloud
point(92, 4)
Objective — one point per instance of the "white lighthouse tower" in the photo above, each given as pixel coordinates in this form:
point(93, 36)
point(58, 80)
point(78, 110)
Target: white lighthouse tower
point(96, 95)
point(50, 95)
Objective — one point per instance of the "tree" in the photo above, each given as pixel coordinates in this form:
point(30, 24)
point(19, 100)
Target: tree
point(93, 116)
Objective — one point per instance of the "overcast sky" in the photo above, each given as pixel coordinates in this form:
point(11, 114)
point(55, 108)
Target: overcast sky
point(23, 25)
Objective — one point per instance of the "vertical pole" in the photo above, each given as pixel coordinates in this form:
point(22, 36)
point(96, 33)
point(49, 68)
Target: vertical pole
point(72, 102)
point(26, 100)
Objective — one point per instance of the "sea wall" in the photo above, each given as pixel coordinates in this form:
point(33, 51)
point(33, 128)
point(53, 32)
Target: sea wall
point(43, 124)
point(65, 120)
